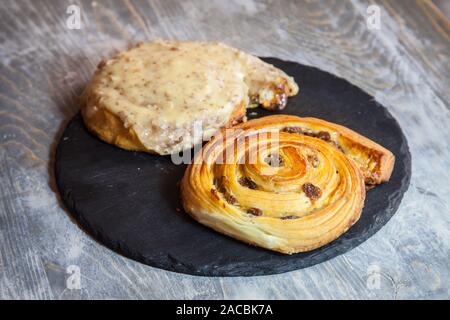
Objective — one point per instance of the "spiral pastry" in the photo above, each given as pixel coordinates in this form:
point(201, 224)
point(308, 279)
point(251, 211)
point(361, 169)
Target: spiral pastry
point(284, 183)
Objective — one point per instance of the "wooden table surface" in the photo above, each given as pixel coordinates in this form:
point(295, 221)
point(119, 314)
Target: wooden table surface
point(44, 65)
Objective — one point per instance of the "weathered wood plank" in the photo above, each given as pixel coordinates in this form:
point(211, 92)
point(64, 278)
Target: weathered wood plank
point(44, 66)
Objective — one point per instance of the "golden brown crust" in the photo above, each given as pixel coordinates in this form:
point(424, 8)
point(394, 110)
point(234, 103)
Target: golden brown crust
point(110, 128)
point(375, 161)
point(297, 194)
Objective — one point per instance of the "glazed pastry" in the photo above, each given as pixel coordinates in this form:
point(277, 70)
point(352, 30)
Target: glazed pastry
point(151, 97)
point(284, 183)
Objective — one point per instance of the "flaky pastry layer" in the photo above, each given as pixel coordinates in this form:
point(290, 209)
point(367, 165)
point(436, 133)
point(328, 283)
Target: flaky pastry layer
point(284, 183)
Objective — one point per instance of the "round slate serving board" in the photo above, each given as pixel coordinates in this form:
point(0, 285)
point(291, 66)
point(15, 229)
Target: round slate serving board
point(130, 201)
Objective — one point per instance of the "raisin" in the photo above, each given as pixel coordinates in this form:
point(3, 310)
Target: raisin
point(274, 160)
point(214, 193)
point(279, 103)
point(220, 184)
point(324, 135)
point(292, 130)
point(312, 191)
point(289, 217)
point(247, 182)
point(101, 64)
point(230, 199)
point(254, 211)
point(313, 160)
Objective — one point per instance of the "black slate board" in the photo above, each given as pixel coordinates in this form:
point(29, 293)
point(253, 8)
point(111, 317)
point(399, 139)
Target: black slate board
point(130, 201)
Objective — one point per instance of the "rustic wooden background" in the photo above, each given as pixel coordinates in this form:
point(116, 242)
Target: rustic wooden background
point(44, 65)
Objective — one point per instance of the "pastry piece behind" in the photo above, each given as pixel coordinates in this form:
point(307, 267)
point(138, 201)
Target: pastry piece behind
point(151, 97)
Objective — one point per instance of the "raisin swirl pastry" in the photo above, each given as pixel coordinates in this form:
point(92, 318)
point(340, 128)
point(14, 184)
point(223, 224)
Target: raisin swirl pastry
point(284, 183)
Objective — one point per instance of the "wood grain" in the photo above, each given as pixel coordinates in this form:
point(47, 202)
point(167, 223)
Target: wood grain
point(44, 66)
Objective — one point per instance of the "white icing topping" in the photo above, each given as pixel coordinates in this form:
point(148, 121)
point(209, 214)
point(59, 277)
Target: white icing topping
point(161, 88)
